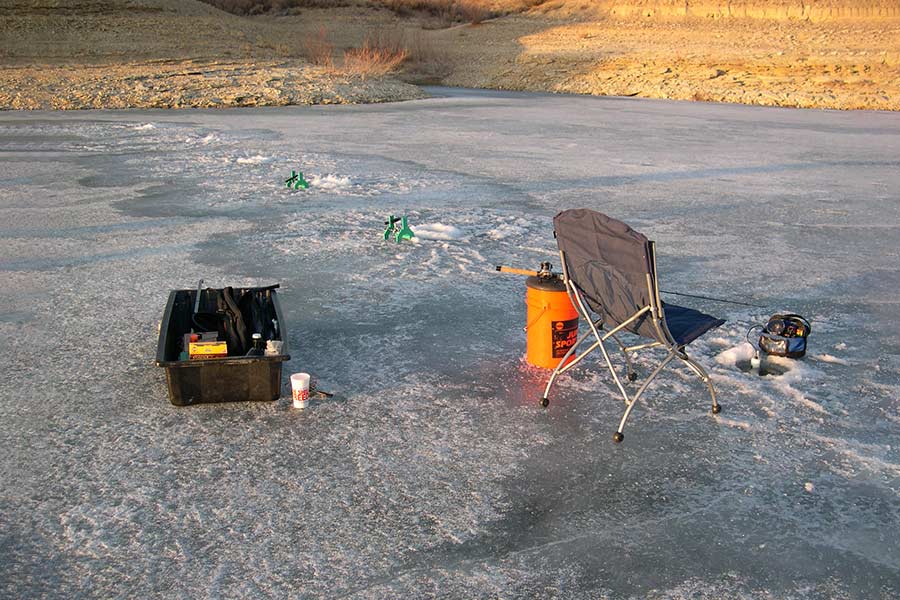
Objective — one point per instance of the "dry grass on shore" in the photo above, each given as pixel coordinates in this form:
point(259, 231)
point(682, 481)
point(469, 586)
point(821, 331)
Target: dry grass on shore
point(377, 56)
point(382, 52)
point(371, 60)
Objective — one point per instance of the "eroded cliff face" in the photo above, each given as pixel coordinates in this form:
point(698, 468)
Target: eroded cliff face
point(812, 10)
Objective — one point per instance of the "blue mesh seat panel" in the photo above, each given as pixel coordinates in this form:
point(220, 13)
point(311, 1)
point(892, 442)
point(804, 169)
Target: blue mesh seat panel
point(687, 324)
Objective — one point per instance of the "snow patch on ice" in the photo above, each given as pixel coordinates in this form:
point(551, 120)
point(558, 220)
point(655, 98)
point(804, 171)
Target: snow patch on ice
point(801, 399)
point(256, 159)
point(735, 423)
point(438, 232)
point(731, 356)
point(828, 358)
point(329, 182)
point(144, 127)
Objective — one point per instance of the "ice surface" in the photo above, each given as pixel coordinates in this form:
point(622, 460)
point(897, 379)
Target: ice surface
point(434, 472)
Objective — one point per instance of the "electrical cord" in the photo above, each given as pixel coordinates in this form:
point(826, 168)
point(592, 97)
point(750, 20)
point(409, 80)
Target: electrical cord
point(749, 331)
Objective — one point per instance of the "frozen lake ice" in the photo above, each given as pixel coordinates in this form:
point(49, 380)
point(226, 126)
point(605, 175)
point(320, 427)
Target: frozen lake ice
point(434, 472)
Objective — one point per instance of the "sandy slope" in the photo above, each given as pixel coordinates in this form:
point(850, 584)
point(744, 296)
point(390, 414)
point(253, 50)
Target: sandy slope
point(850, 64)
point(812, 53)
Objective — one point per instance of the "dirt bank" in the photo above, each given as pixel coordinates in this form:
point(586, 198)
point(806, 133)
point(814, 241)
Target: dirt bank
point(190, 84)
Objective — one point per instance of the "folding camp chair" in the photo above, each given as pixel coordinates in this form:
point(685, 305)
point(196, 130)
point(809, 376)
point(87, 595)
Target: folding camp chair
point(611, 269)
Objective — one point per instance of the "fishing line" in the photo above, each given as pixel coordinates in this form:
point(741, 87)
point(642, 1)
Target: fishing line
point(713, 299)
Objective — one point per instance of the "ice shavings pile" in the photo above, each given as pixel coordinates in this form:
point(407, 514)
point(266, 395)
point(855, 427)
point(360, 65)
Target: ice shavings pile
point(329, 182)
point(437, 231)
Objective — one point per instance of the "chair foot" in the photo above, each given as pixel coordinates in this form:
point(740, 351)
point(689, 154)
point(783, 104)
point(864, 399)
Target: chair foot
point(618, 437)
point(632, 376)
point(716, 409)
point(545, 402)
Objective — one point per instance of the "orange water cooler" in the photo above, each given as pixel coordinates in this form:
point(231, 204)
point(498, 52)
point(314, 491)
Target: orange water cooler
point(551, 321)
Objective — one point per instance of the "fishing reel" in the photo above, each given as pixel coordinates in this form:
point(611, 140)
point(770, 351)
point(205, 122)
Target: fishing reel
point(782, 335)
point(546, 271)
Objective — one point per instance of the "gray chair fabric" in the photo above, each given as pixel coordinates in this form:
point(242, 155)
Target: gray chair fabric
point(609, 263)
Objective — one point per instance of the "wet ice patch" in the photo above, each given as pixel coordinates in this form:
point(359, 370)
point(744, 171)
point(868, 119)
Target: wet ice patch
point(856, 456)
point(437, 231)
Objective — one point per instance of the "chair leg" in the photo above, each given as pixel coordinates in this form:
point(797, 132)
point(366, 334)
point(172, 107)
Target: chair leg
point(562, 367)
point(599, 343)
point(704, 377)
point(545, 399)
point(618, 436)
point(630, 373)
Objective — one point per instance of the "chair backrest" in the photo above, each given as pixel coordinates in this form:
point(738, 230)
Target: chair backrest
point(609, 263)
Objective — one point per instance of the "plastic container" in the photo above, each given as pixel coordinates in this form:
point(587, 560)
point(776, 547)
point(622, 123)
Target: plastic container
point(228, 379)
point(551, 322)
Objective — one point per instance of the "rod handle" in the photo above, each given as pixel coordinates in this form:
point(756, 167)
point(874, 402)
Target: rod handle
point(515, 271)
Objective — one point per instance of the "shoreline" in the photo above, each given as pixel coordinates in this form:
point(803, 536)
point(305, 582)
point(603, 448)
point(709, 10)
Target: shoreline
point(175, 84)
point(190, 84)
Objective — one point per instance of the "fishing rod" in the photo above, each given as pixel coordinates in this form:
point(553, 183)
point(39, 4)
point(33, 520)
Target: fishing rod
point(546, 271)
